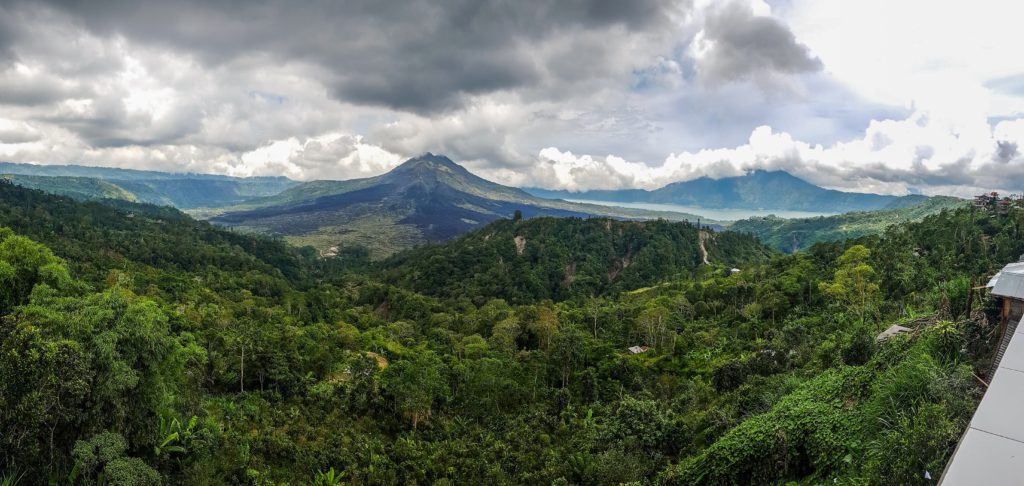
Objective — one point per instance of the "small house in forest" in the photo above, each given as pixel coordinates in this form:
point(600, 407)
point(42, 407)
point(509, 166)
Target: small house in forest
point(1008, 284)
point(638, 349)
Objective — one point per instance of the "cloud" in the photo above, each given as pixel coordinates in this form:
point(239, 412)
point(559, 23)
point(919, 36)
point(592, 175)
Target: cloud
point(19, 86)
point(7, 34)
point(333, 156)
point(577, 94)
point(738, 44)
point(1006, 151)
point(418, 56)
point(13, 132)
point(1013, 84)
point(903, 53)
point(918, 153)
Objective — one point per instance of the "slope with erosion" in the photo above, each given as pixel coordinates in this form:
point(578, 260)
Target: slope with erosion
point(555, 258)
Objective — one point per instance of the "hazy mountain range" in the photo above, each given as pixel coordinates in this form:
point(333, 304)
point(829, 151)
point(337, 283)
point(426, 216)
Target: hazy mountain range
point(427, 198)
point(757, 190)
point(181, 190)
point(431, 198)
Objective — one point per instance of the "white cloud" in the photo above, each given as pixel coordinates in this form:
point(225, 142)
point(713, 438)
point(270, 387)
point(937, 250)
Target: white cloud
point(14, 132)
point(934, 55)
point(920, 153)
point(332, 156)
point(879, 96)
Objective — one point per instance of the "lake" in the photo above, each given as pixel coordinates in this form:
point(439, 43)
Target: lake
point(710, 213)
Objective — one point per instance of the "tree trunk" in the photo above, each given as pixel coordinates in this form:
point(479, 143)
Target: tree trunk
point(241, 376)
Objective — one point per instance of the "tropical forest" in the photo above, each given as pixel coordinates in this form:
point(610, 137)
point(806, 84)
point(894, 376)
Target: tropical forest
point(141, 346)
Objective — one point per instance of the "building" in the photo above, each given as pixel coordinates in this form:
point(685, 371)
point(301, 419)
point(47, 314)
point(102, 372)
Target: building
point(638, 349)
point(1008, 285)
point(991, 451)
point(994, 204)
point(1004, 205)
point(985, 200)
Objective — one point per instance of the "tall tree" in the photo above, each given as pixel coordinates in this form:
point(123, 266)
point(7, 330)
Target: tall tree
point(855, 283)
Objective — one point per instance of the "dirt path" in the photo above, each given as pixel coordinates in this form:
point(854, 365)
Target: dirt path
point(701, 236)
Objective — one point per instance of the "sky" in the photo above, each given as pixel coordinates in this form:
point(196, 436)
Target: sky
point(878, 96)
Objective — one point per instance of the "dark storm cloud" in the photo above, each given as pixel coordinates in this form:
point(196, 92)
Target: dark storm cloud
point(419, 56)
point(1005, 151)
point(6, 37)
point(328, 89)
point(743, 45)
point(850, 176)
point(27, 91)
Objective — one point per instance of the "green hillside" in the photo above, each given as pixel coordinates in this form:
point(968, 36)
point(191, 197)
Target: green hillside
point(790, 235)
point(139, 346)
point(181, 190)
point(559, 258)
point(77, 187)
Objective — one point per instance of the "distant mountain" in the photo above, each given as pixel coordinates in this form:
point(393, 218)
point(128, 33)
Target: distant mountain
point(81, 188)
point(757, 190)
point(181, 190)
point(791, 235)
point(427, 198)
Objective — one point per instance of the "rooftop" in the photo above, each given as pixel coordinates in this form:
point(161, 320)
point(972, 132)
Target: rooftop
point(1009, 282)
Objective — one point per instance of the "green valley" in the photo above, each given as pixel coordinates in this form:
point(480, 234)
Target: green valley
point(794, 234)
point(138, 344)
point(502, 243)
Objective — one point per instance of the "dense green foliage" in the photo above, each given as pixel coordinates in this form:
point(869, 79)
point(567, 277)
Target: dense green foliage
point(83, 188)
point(794, 234)
point(157, 245)
point(138, 345)
point(558, 258)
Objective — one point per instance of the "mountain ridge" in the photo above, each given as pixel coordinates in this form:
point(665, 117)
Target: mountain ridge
point(426, 198)
point(759, 189)
point(182, 190)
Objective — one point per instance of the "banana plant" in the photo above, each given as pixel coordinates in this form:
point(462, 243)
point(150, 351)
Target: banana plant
point(329, 478)
point(174, 436)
